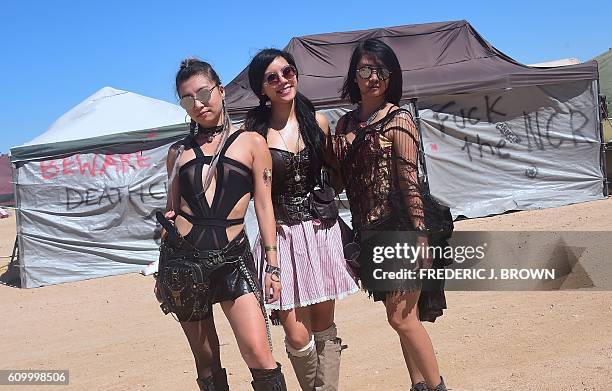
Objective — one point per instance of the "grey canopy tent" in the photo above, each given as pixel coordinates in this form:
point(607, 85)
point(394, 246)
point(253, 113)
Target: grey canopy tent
point(498, 135)
point(86, 189)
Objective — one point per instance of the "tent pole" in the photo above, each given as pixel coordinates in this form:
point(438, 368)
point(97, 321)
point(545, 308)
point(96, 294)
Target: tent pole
point(15, 251)
point(417, 122)
point(18, 238)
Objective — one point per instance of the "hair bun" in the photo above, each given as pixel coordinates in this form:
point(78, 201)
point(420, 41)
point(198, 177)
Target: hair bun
point(186, 63)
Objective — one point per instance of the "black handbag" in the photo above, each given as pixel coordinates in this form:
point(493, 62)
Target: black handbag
point(184, 287)
point(323, 201)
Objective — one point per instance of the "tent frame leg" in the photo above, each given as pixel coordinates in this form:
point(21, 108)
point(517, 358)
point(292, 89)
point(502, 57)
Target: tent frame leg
point(15, 254)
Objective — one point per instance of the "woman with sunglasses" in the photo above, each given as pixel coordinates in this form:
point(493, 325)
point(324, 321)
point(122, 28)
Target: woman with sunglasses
point(313, 270)
point(218, 168)
point(377, 146)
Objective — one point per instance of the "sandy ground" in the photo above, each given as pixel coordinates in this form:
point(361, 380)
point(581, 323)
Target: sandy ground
point(111, 334)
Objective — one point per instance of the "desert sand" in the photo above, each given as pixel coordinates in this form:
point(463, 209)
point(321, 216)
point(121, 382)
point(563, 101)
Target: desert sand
point(110, 334)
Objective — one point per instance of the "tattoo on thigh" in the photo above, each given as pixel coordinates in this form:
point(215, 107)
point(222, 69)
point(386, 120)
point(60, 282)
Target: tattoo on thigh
point(267, 176)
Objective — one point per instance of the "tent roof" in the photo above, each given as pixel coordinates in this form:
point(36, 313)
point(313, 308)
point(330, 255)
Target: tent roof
point(556, 63)
point(436, 58)
point(604, 63)
point(110, 111)
point(104, 117)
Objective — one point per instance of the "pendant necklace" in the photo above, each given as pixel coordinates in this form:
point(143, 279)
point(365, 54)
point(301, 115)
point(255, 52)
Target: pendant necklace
point(296, 156)
point(370, 119)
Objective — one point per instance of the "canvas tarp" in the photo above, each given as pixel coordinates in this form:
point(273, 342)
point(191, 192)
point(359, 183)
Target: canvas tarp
point(525, 148)
point(86, 205)
point(436, 59)
point(533, 133)
point(604, 64)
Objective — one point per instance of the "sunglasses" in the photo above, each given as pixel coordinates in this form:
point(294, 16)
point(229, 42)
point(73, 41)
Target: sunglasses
point(288, 72)
point(366, 72)
point(188, 102)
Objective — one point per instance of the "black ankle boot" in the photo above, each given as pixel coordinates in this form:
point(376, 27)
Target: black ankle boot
point(420, 386)
point(268, 379)
point(216, 382)
point(441, 386)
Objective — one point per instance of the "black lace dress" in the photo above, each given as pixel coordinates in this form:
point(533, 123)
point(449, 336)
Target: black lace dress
point(379, 171)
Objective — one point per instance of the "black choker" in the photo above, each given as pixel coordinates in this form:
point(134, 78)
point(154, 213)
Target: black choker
point(208, 134)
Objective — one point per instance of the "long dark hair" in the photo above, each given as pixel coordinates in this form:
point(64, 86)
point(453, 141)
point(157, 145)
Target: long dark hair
point(258, 117)
point(387, 58)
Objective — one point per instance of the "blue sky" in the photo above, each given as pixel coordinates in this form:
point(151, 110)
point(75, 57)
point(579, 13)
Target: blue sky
point(54, 54)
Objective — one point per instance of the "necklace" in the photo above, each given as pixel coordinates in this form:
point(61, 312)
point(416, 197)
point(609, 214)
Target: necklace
point(370, 119)
point(296, 157)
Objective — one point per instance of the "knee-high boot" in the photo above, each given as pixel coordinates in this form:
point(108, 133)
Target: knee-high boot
point(268, 379)
point(329, 347)
point(305, 362)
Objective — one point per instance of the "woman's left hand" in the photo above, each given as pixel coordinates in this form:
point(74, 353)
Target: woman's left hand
point(272, 288)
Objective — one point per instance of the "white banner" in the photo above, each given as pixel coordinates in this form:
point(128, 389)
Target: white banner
point(89, 215)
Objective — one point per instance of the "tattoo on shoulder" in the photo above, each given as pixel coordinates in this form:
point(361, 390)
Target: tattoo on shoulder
point(267, 176)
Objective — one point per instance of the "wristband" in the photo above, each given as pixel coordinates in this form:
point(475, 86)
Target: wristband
point(270, 248)
point(274, 271)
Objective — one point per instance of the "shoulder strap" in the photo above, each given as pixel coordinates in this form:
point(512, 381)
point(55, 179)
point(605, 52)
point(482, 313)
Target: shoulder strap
point(196, 148)
point(230, 140)
point(173, 172)
point(423, 179)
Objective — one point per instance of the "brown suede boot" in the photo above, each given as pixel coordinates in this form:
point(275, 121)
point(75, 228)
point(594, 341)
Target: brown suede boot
point(216, 382)
point(305, 362)
point(329, 347)
point(268, 379)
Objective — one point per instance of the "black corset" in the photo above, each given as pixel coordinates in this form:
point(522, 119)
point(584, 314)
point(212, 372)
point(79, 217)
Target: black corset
point(292, 184)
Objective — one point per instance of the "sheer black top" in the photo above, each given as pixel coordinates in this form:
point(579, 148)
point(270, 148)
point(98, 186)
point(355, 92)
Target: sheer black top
point(379, 170)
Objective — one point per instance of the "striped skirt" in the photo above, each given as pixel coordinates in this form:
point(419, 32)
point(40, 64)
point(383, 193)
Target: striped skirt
point(312, 265)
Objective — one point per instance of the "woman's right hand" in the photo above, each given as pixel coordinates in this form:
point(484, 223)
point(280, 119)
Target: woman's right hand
point(170, 215)
point(272, 288)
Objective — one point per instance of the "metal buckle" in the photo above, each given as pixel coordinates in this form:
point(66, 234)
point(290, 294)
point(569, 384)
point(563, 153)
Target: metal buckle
point(176, 295)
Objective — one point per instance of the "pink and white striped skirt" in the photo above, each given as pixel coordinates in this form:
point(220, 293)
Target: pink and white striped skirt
point(312, 265)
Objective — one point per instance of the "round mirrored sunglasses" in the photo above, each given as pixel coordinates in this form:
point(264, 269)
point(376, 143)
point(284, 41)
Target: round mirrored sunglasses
point(288, 72)
point(367, 71)
point(203, 95)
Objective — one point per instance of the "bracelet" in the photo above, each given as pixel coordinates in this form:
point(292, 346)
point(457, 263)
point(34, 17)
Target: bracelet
point(270, 248)
point(274, 271)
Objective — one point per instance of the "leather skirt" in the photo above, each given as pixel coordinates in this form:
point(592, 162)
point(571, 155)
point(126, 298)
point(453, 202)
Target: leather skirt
point(192, 280)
